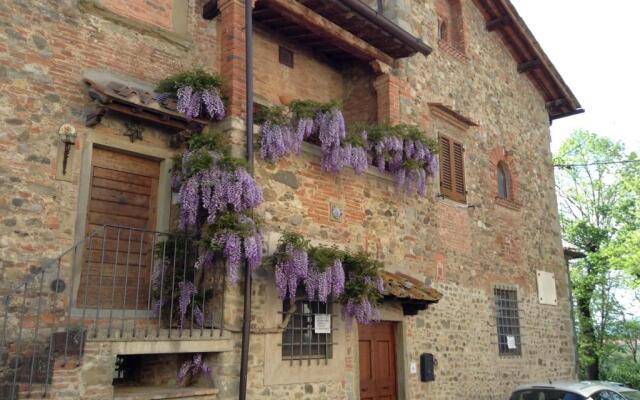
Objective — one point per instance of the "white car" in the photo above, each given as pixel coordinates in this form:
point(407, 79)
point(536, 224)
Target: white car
point(574, 391)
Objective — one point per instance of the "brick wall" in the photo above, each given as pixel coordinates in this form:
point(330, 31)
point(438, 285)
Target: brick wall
point(463, 251)
point(155, 12)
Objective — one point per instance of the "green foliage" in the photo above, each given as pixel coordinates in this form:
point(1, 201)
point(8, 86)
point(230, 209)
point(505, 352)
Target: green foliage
point(206, 148)
point(175, 258)
point(324, 257)
point(295, 239)
point(230, 222)
point(361, 270)
point(355, 139)
point(277, 115)
point(598, 206)
point(309, 108)
point(378, 132)
point(198, 79)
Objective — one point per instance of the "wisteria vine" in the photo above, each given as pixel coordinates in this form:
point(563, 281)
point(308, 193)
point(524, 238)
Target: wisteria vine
point(216, 195)
point(197, 94)
point(325, 273)
point(403, 150)
point(191, 368)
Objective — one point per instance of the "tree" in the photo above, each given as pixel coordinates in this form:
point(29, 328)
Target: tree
point(596, 207)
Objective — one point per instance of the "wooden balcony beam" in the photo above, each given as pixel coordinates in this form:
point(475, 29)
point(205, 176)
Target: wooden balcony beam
point(529, 65)
point(339, 37)
point(499, 23)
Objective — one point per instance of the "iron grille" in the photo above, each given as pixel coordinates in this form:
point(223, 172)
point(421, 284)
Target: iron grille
point(299, 340)
point(508, 321)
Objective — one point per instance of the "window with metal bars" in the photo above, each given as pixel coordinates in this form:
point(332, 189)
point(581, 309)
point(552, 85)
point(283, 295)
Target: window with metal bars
point(508, 321)
point(299, 339)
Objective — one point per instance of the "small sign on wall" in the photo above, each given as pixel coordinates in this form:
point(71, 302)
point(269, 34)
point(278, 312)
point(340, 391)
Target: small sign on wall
point(511, 342)
point(547, 288)
point(322, 323)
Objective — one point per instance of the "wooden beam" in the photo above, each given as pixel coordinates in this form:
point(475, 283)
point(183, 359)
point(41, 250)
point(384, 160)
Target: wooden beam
point(529, 65)
point(210, 9)
point(341, 38)
point(556, 103)
point(498, 23)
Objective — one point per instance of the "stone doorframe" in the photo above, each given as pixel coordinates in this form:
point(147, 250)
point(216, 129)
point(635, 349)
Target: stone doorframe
point(117, 143)
point(390, 312)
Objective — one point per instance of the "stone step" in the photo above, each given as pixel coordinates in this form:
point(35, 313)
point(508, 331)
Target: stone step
point(163, 393)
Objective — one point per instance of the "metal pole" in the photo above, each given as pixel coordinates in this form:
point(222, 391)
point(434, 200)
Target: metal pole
point(246, 320)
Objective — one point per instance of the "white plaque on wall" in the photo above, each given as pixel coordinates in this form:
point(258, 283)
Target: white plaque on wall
point(511, 342)
point(547, 288)
point(322, 323)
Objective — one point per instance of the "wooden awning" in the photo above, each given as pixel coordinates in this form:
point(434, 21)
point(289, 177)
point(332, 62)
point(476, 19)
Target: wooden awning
point(139, 103)
point(411, 292)
point(502, 17)
point(340, 30)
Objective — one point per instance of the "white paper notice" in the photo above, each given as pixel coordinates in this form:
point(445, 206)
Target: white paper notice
point(413, 367)
point(322, 323)
point(511, 342)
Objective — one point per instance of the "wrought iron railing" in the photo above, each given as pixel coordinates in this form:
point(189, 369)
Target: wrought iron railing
point(118, 283)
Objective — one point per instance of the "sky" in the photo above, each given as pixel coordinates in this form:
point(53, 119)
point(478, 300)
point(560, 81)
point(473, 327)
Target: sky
point(595, 48)
point(594, 45)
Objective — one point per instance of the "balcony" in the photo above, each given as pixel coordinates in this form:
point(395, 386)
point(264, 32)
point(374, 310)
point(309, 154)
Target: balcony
point(137, 290)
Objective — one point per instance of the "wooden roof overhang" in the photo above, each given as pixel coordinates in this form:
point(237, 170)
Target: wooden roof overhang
point(502, 17)
point(113, 96)
point(341, 30)
point(412, 294)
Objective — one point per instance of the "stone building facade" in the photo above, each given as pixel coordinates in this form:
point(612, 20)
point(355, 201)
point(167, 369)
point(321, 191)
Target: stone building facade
point(486, 85)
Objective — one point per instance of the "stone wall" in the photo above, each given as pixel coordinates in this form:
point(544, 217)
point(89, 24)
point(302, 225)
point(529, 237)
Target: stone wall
point(46, 47)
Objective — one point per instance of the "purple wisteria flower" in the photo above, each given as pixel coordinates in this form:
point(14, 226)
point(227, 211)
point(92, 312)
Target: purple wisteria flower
point(198, 315)
point(273, 144)
point(331, 133)
point(362, 310)
point(320, 285)
point(192, 368)
point(213, 104)
point(232, 251)
point(187, 290)
point(305, 128)
point(253, 250)
point(291, 270)
point(205, 260)
point(192, 102)
point(356, 157)
point(215, 190)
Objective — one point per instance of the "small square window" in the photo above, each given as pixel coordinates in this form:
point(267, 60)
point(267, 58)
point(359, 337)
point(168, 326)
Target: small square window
point(508, 321)
point(285, 56)
point(299, 339)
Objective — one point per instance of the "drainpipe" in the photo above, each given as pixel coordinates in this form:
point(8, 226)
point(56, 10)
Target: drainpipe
point(246, 319)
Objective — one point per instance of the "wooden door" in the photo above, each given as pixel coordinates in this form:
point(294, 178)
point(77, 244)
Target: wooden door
point(122, 210)
point(377, 361)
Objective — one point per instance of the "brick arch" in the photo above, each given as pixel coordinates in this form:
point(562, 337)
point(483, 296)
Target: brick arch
point(501, 156)
point(450, 15)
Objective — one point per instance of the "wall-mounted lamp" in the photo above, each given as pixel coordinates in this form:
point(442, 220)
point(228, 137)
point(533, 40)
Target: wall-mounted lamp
point(67, 134)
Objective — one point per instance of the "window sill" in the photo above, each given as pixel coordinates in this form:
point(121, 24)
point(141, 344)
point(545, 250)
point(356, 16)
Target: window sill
point(315, 150)
point(507, 203)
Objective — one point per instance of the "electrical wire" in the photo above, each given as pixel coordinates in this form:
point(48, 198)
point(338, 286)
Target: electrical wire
point(596, 163)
